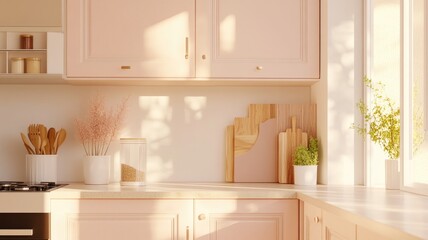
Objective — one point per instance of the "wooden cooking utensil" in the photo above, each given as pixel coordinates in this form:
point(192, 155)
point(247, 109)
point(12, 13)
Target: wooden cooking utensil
point(43, 138)
point(51, 138)
point(61, 138)
point(33, 135)
point(27, 144)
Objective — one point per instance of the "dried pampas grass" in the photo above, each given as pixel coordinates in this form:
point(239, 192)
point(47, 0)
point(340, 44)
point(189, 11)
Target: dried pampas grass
point(100, 127)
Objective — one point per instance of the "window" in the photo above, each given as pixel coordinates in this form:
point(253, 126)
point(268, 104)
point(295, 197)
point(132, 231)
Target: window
point(414, 97)
point(383, 63)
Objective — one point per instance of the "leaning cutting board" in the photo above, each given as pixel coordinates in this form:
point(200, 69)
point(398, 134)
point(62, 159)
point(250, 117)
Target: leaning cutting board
point(288, 141)
point(259, 164)
point(252, 141)
point(229, 153)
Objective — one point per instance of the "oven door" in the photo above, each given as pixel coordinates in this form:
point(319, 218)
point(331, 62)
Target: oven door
point(24, 226)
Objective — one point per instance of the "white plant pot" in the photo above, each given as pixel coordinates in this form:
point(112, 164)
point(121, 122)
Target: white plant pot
point(305, 175)
point(41, 168)
point(392, 174)
point(96, 169)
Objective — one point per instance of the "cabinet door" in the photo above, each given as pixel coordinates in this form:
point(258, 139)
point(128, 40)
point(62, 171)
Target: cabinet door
point(130, 38)
point(258, 38)
point(121, 219)
point(336, 228)
point(246, 219)
point(312, 222)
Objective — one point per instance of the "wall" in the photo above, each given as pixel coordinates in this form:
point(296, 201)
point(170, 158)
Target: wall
point(337, 92)
point(184, 126)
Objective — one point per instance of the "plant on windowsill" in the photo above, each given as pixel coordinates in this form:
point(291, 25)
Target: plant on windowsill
point(306, 163)
point(382, 125)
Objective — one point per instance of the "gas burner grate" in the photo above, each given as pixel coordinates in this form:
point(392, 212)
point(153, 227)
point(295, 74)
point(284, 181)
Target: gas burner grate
point(15, 186)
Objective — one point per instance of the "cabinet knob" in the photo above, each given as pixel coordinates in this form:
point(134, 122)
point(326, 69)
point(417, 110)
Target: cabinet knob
point(259, 68)
point(202, 217)
point(316, 219)
point(204, 56)
point(125, 67)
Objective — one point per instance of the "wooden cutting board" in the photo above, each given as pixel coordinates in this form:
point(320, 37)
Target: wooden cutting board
point(288, 141)
point(229, 153)
point(243, 141)
point(259, 164)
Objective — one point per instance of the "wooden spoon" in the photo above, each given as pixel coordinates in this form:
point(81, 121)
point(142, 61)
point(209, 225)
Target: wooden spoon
point(27, 144)
point(51, 138)
point(61, 138)
point(37, 143)
point(33, 136)
point(43, 132)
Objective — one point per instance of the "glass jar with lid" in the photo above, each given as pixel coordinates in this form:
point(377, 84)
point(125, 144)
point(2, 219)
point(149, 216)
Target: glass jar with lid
point(32, 65)
point(17, 65)
point(133, 161)
point(26, 41)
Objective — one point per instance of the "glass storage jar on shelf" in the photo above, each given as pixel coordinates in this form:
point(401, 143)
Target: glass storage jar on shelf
point(133, 161)
point(32, 65)
point(17, 65)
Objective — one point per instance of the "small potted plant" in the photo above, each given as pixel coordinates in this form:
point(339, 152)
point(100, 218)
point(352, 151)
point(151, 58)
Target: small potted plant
point(306, 163)
point(382, 124)
point(96, 133)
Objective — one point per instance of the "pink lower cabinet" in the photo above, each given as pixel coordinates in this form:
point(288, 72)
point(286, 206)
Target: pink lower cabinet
point(121, 219)
point(246, 219)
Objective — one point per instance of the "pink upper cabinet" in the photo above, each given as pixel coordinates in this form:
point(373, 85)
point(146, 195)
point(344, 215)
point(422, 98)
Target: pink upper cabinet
point(211, 39)
point(130, 38)
point(258, 38)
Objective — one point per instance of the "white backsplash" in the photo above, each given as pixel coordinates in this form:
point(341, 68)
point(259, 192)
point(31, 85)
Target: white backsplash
point(184, 126)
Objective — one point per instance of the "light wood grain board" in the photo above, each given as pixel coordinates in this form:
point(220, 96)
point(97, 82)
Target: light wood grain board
point(247, 131)
point(229, 153)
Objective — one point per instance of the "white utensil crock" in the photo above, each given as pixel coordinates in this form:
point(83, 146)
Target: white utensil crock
point(96, 169)
point(41, 168)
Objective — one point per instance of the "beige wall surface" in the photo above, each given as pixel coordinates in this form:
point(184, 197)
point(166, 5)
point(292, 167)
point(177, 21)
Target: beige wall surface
point(184, 126)
point(30, 13)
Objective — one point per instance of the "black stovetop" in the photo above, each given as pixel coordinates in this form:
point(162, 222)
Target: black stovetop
point(16, 186)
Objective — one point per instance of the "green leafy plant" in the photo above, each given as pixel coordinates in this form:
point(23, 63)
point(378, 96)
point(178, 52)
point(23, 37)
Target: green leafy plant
point(307, 155)
point(381, 120)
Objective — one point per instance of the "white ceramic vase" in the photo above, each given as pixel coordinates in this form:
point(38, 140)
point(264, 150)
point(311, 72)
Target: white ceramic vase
point(305, 175)
point(96, 169)
point(41, 168)
point(392, 174)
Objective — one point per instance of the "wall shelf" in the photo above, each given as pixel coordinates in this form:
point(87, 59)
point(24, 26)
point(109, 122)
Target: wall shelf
point(48, 46)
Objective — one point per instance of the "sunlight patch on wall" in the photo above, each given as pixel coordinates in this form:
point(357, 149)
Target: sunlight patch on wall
point(155, 127)
point(194, 106)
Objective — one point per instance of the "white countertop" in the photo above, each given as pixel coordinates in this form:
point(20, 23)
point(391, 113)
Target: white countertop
point(402, 213)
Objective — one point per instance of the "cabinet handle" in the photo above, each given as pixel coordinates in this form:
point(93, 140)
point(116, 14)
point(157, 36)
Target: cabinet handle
point(259, 68)
point(125, 67)
point(201, 217)
point(187, 49)
point(16, 232)
point(187, 233)
point(316, 219)
point(204, 57)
